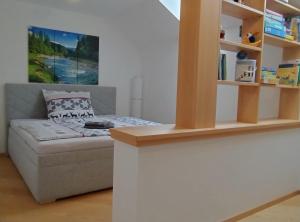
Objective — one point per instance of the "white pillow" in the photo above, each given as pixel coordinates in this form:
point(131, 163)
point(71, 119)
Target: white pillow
point(62, 104)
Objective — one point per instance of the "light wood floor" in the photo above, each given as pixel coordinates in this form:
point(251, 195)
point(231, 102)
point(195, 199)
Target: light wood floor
point(17, 204)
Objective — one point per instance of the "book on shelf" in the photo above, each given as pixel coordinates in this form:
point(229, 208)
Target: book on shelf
point(274, 15)
point(292, 25)
point(276, 32)
point(288, 74)
point(268, 76)
point(222, 73)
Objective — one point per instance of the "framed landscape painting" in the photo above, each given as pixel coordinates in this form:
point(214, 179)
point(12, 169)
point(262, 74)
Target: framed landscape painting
point(62, 57)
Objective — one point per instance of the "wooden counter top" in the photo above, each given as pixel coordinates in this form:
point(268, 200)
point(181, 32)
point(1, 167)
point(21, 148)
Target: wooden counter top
point(154, 135)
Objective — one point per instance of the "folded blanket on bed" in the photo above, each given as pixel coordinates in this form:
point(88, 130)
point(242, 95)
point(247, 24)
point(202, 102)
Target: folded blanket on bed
point(45, 130)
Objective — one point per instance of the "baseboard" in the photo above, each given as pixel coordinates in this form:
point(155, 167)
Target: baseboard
point(262, 207)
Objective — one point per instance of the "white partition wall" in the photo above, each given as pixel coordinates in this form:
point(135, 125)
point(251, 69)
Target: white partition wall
point(206, 180)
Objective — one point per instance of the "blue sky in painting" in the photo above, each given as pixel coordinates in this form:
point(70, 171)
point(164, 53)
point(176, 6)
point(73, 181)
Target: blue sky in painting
point(67, 39)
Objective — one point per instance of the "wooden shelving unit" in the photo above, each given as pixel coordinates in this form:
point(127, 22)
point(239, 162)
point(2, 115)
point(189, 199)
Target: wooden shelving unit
point(196, 111)
point(253, 21)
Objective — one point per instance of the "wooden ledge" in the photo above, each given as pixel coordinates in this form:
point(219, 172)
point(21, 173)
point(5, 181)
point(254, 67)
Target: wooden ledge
point(154, 135)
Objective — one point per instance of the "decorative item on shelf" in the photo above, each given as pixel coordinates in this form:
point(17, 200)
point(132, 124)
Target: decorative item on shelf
point(288, 74)
point(251, 39)
point(242, 55)
point(245, 70)
point(222, 34)
point(268, 76)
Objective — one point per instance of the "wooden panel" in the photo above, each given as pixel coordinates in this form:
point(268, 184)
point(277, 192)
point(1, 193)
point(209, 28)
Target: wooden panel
point(256, 4)
point(289, 104)
point(237, 83)
point(282, 7)
point(248, 104)
point(198, 63)
point(291, 53)
point(238, 10)
point(280, 42)
point(153, 135)
point(236, 47)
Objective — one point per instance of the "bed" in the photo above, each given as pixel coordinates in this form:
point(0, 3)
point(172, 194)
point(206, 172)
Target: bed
point(55, 169)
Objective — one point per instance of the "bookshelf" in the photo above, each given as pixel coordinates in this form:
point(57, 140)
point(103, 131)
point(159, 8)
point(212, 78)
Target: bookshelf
point(252, 15)
point(196, 111)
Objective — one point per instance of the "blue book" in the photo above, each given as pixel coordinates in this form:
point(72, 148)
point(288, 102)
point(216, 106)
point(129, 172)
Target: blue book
point(275, 24)
point(275, 17)
point(275, 32)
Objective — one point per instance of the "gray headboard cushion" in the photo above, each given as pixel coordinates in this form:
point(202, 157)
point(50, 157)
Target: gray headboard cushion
point(25, 101)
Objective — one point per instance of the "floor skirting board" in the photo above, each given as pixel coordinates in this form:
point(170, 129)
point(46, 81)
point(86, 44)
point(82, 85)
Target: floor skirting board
point(263, 207)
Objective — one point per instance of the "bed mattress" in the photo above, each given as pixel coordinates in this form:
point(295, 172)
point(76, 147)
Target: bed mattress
point(61, 145)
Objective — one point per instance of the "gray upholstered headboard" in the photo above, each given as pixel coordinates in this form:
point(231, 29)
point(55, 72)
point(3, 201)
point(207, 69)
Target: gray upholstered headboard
point(25, 101)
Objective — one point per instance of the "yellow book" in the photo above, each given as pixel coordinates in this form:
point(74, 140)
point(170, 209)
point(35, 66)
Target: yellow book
point(288, 74)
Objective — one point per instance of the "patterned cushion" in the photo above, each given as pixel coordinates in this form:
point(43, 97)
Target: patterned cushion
point(62, 104)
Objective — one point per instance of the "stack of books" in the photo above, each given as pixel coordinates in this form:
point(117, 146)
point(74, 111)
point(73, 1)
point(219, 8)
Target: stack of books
point(275, 24)
point(222, 75)
point(293, 28)
point(288, 73)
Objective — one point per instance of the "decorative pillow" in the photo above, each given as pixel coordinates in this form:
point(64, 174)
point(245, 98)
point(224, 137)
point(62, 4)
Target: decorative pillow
point(62, 104)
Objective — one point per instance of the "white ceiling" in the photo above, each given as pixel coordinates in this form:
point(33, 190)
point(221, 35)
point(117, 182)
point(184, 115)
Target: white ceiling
point(100, 8)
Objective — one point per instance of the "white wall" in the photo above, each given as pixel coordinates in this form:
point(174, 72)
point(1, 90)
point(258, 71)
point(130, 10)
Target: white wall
point(160, 74)
point(119, 60)
point(205, 180)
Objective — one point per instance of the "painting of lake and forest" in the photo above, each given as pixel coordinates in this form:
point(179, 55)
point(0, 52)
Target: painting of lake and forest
point(62, 57)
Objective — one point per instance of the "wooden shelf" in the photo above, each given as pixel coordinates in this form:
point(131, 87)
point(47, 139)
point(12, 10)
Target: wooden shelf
point(236, 47)
point(152, 135)
point(238, 10)
point(237, 83)
point(280, 42)
point(281, 86)
point(282, 7)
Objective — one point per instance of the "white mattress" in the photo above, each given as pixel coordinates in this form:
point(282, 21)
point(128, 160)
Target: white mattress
point(63, 145)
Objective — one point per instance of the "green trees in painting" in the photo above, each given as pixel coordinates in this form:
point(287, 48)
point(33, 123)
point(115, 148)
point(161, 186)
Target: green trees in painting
point(85, 46)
